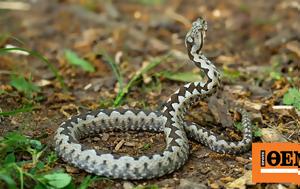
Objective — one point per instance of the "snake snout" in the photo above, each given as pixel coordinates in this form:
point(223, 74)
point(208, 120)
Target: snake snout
point(200, 24)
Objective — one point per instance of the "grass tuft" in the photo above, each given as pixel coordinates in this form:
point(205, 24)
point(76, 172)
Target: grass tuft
point(42, 58)
point(33, 171)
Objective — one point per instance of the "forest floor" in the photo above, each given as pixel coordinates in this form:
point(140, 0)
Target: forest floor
point(255, 45)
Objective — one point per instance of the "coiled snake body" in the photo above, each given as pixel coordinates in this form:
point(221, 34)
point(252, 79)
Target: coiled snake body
point(169, 120)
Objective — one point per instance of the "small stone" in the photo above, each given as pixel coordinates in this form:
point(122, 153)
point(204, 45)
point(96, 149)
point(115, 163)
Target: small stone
point(214, 185)
point(205, 170)
point(130, 144)
point(187, 184)
point(255, 106)
point(167, 183)
point(294, 46)
point(71, 169)
point(96, 139)
point(279, 39)
point(105, 136)
point(271, 135)
point(128, 185)
point(248, 166)
point(241, 182)
point(242, 160)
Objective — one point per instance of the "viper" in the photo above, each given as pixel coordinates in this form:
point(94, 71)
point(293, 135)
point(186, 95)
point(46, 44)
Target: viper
point(169, 120)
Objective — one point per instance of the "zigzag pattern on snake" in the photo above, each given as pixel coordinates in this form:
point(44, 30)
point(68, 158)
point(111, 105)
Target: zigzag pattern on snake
point(169, 120)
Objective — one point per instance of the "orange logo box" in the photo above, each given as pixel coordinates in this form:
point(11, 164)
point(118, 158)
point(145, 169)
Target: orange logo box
point(276, 163)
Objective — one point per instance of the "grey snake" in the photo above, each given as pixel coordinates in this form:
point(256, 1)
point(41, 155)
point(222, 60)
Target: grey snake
point(170, 121)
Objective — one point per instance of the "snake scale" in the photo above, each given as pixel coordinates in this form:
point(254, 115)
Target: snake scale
point(169, 120)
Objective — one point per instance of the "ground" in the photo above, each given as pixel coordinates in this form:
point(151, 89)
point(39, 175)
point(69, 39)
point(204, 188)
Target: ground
point(255, 45)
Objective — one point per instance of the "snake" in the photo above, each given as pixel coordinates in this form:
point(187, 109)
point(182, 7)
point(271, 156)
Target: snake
point(169, 120)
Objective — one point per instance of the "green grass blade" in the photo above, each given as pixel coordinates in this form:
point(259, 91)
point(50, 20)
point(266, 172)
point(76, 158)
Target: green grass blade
point(27, 108)
point(5, 36)
point(154, 63)
point(115, 69)
point(87, 181)
point(292, 97)
point(9, 181)
point(21, 84)
point(75, 60)
point(41, 57)
point(181, 76)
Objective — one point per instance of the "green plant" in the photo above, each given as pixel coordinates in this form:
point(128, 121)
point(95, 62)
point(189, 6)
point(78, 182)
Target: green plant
point(13, 144)
point(238, 126)
point(150, 2)
point(23, 85)
point(117, 73)
point(230, 74)
point(3, 92)
point(292, 97)
point(181, 76)
point(153, 63)
point(87, 181)
point(123, 90)
point(33, 172)
point(256, 131)
point(3, 38)
point(275, 75)
point(74, 59)
point(52, 180)
point(274, 70)
point(42, 58)
point(147, 187)
point(26, 108)
point(146, 146)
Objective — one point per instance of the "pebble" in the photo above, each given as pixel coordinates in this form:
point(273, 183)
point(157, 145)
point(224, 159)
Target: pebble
point(130, 144)
point(241, 182)
point(105, 136)
point(242, 160)
point(271, 135)
point(96, 139)
point(214, 185)
point(71, 169)
point(128, 185)
point(187, 184)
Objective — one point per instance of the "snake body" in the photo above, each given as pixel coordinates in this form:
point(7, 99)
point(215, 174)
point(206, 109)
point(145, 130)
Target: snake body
point(169, 120)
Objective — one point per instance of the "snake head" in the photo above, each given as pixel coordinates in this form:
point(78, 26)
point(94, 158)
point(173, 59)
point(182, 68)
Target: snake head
point(195, 37)
point(199, 24)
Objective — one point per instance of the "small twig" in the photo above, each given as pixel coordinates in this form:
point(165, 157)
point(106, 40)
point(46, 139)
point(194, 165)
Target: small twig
point(119, 145)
